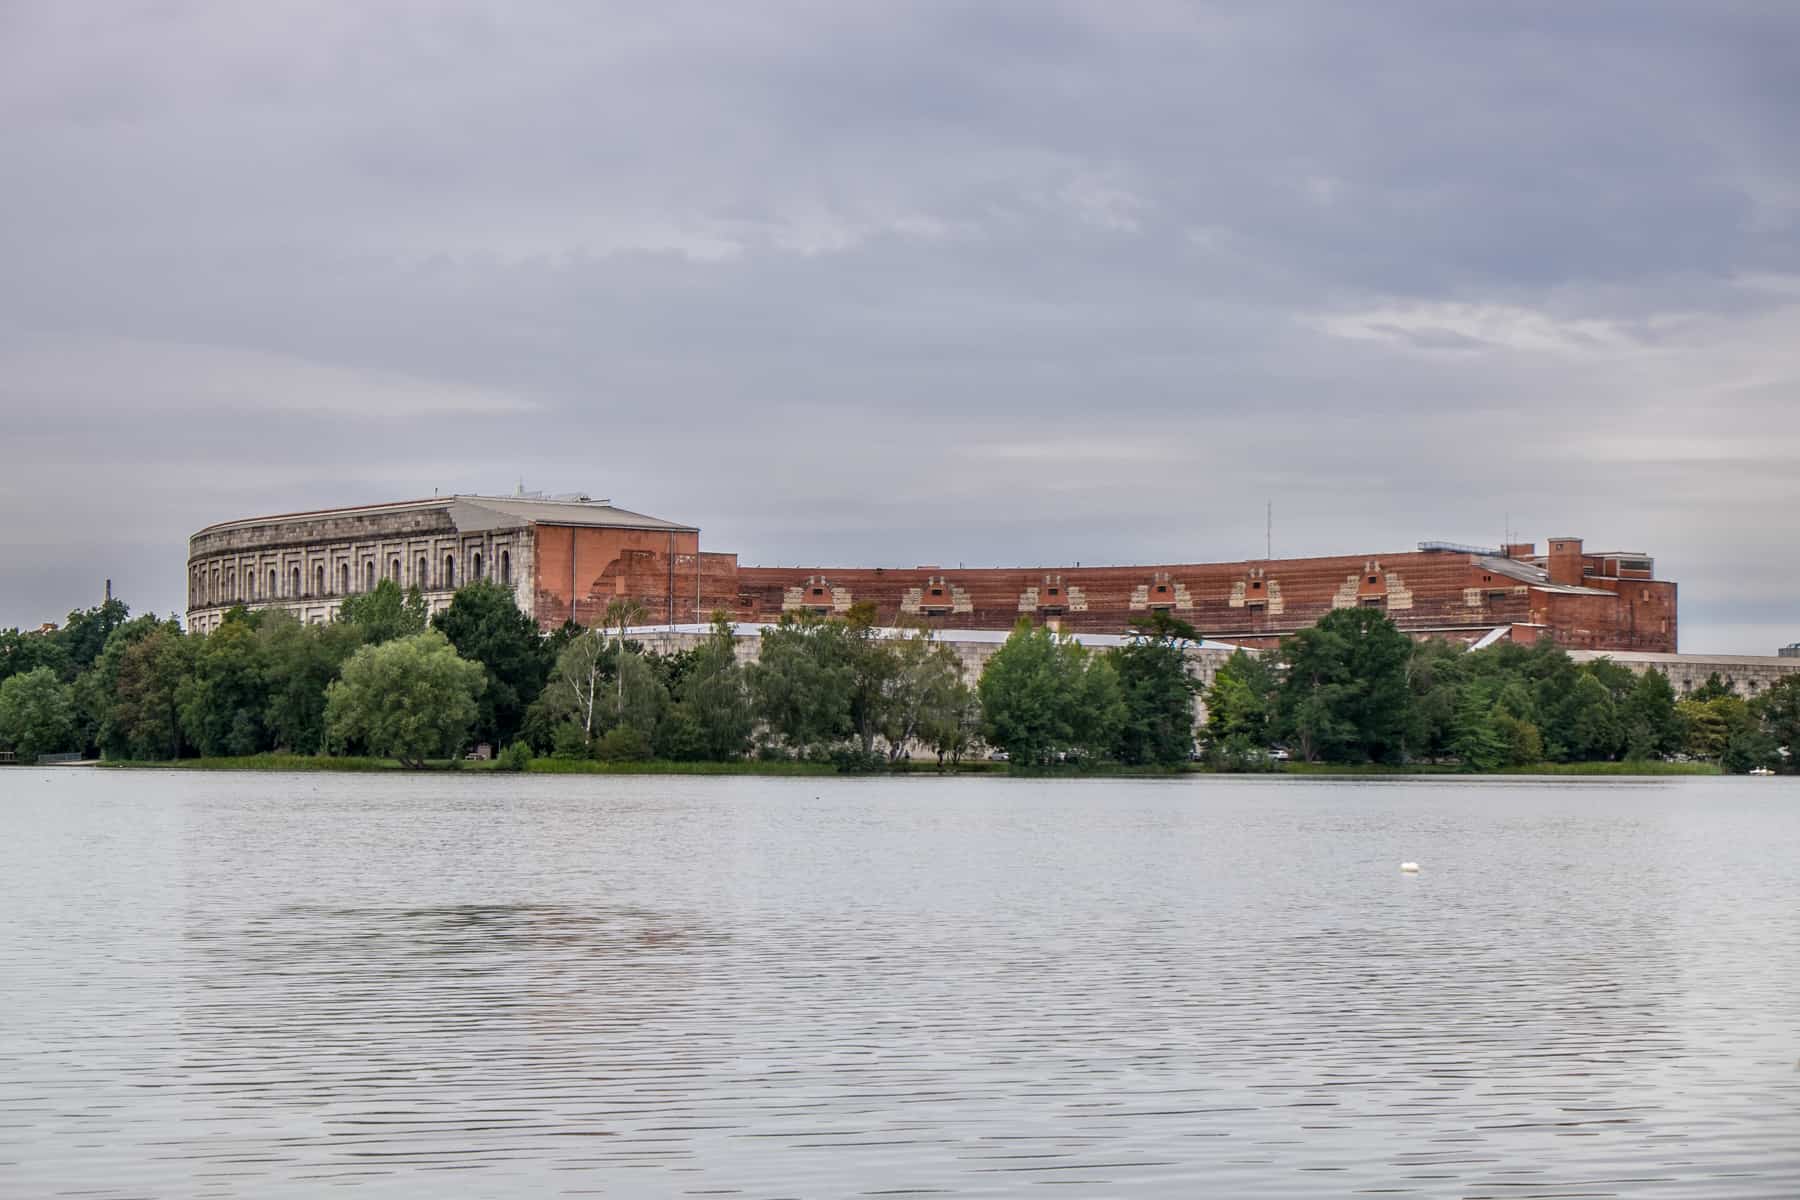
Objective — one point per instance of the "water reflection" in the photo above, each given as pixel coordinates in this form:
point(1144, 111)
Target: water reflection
point(556, 987)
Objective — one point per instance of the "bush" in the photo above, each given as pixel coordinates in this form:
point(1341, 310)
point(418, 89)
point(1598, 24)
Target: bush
point(622, 744)
point(569, 742)
point(516, 757)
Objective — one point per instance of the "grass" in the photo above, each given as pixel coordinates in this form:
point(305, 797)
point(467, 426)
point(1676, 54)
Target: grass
point(1548, 768)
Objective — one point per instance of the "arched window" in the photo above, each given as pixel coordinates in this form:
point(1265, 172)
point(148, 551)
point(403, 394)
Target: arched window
point(318, 579)
point(506, 567)
point(423, 579)
point(272, 587)
point(369, 576)
point(295, 589)
point(344, 579)
point(449, 570)
point(231, 583)
point(395, 569)
point(475, 566)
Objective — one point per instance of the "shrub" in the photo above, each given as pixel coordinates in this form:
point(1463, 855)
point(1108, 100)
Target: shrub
point(622, 743)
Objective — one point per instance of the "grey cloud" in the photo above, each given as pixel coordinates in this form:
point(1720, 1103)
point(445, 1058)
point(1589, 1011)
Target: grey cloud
point(909, 283)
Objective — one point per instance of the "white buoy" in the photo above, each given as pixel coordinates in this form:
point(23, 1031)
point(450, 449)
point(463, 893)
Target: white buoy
point(1410, 868)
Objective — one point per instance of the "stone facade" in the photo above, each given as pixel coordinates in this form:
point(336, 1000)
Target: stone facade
point(562, 559)
point(1748, 675)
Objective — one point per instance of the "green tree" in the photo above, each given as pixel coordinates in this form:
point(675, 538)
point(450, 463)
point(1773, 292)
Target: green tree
point(37, 715)
point(83, 636)
point(1345, 696)
point(1480, 741)
point(953, 728)
point(299, 663)
point(801, 682)
point(410, 699)
point(1044, 698)
point(97, 690)
point(1241, 701)
point(21, 652)
point(714, 698)
point(622, 613)
point(484, 624)
point(1652, 728)
point(146, 713)
point(1778, 710)
point(1158, 692)
point(922, 694)
point(872, 663)
point(385, 613)
point(1435, 677)
point(1714, 688)
point(1594, 731)
point(222, 699)
point(578, 684)
point(1704, 733)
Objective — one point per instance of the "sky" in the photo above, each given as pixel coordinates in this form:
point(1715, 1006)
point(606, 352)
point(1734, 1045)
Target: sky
point(899, 283)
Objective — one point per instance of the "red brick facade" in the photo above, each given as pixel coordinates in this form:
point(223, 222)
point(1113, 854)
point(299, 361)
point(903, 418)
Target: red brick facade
point(1427, 593)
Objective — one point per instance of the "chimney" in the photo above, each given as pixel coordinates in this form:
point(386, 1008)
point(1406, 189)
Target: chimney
point(1566, 563)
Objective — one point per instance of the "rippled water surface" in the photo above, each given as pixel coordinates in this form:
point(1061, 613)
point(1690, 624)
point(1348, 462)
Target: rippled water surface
point(267, 985)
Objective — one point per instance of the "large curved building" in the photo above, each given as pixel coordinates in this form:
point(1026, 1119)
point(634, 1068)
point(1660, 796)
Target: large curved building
point(567, 559)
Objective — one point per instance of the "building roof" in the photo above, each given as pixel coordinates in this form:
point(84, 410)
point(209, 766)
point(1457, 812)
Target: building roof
point(536, 511)
point(472, 512)
point(1537, 577)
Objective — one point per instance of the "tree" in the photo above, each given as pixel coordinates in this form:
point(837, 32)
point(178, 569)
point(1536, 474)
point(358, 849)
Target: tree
point(1714, 688)
point(921, 694)
point(299, 663)
point(83, 636)
point(1043, 699)
point(1778, 710)
point(1158, 693)
point(37, 715)
point(21, 652)
point(953, 728)
point(621, 613)
point(1704, 733)
point(1436, 676)
point(411, 699)
point(1594, 733)
point(801, 682)
point(1241, 700)
point(578, 681)
point(146, 715)
point(223, 699)
point(96, 692)
point(1652, 728)
point(713, 697)
point(484, 624)
point(1345, 696)
point(872, 664)
point(385, 613)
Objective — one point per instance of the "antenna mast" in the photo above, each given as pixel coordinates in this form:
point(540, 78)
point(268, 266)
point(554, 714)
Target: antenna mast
point(1269, 530)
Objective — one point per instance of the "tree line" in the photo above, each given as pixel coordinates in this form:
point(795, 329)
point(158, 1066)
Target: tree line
point(1354, 689)
point(386, 679)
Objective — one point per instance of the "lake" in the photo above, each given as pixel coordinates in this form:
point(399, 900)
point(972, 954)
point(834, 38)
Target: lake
point(269, 985)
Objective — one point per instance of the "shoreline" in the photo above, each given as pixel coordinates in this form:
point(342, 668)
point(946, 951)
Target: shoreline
point(556, 766)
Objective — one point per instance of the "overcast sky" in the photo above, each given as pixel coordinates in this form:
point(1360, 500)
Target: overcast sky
point(900, 283)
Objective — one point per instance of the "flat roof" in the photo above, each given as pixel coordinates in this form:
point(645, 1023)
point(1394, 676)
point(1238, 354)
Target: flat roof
point(521, 509)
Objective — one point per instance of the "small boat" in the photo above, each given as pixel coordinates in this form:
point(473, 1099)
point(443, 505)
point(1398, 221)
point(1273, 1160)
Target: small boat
point(1761, 771)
